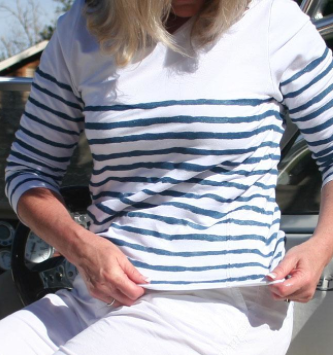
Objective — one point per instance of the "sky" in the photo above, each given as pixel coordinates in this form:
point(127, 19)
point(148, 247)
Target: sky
point(47, 10)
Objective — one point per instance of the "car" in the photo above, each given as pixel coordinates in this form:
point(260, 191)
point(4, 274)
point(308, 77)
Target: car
point(29, 268)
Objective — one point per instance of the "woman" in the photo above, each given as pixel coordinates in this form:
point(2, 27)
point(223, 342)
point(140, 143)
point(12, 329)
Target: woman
point(183, 105)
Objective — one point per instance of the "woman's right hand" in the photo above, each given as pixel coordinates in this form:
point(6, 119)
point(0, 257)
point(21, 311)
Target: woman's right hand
point(107, 272)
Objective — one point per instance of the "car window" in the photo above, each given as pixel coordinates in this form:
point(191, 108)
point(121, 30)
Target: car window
point(328, 8)
point(299, 182)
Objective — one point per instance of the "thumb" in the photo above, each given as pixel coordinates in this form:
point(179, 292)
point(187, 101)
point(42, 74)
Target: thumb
point(134, 275)
point(284, 269)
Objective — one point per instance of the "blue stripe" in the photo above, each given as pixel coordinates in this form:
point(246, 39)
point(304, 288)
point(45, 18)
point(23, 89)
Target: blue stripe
point(194, 236)
point(25, 158)
point(318, 128)
point(183, 206)
point(106, 220)
point(23, 172)
point(317, 143)
point(198, 102)
point(323, 152)
point(187, 207)
point(312, 82)
point(32, 171)
point(252, 160)
point(185, 136)
point(194, 209)
point(258, 277)
point(9, 179)
point(55, 112)
point(165, 268)
point(174, 193)
point(40, 153)
point(222, 171)
point(27, 180)
point(326, 159)
point(189, 254)
point(169, 220)
point(49, 125)
point(183, 150)
point(314, 114)
point(144, 122)
point(46, 141)
point(58, 83)
point(37, 172)
point(215, 214)
point(248, 223)
point(57, 97)
point(168, 180)
point(314, 64)
point(158, 165)
point(181, 166)
point(315, 100)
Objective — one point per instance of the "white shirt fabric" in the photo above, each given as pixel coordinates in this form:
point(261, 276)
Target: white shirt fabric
point(185, 149)
point(233, 321)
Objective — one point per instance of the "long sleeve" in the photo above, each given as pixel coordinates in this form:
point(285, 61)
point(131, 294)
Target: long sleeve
point(301, 67)
point(49, 128)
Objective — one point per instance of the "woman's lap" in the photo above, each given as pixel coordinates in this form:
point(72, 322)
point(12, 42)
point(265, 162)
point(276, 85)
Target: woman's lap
point(229, 321)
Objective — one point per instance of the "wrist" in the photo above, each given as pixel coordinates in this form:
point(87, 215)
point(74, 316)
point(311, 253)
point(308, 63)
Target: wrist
point(323, 242)
point(73, 237)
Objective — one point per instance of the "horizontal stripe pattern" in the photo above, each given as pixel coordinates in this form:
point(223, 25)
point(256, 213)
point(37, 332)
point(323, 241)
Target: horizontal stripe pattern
point(314, 116)
point(184, 162)
point(197, 102)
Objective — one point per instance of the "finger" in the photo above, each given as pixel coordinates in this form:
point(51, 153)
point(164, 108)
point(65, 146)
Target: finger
point(127, 287)
point(133, 274)
point(285, 268)
point(287, 288)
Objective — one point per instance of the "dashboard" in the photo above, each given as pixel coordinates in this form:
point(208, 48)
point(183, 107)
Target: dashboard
point(38, 251)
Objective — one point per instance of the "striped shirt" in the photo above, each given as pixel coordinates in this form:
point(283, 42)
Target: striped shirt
point(185, 149)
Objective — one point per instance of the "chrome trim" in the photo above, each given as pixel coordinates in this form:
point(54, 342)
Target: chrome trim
point(313, 8)
point(15, 84)
point(325, 26)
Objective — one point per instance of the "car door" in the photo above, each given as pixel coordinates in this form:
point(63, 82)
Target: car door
point(298, 194)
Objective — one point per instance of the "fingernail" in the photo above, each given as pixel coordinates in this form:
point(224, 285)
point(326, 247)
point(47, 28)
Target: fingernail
point(271, 275)
point(147, 279)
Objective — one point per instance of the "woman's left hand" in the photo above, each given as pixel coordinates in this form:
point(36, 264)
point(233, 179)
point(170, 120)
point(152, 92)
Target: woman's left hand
point(302, 267)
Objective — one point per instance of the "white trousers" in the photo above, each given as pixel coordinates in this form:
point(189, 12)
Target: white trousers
point(242, 321)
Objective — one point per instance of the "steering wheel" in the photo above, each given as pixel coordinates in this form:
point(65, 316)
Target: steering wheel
point(35, 280)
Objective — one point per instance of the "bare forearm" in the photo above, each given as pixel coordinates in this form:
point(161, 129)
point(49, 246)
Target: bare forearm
point(44, 212)
point(105, 269)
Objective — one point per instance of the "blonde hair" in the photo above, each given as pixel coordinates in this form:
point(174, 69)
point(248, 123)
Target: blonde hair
point(123, 27)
